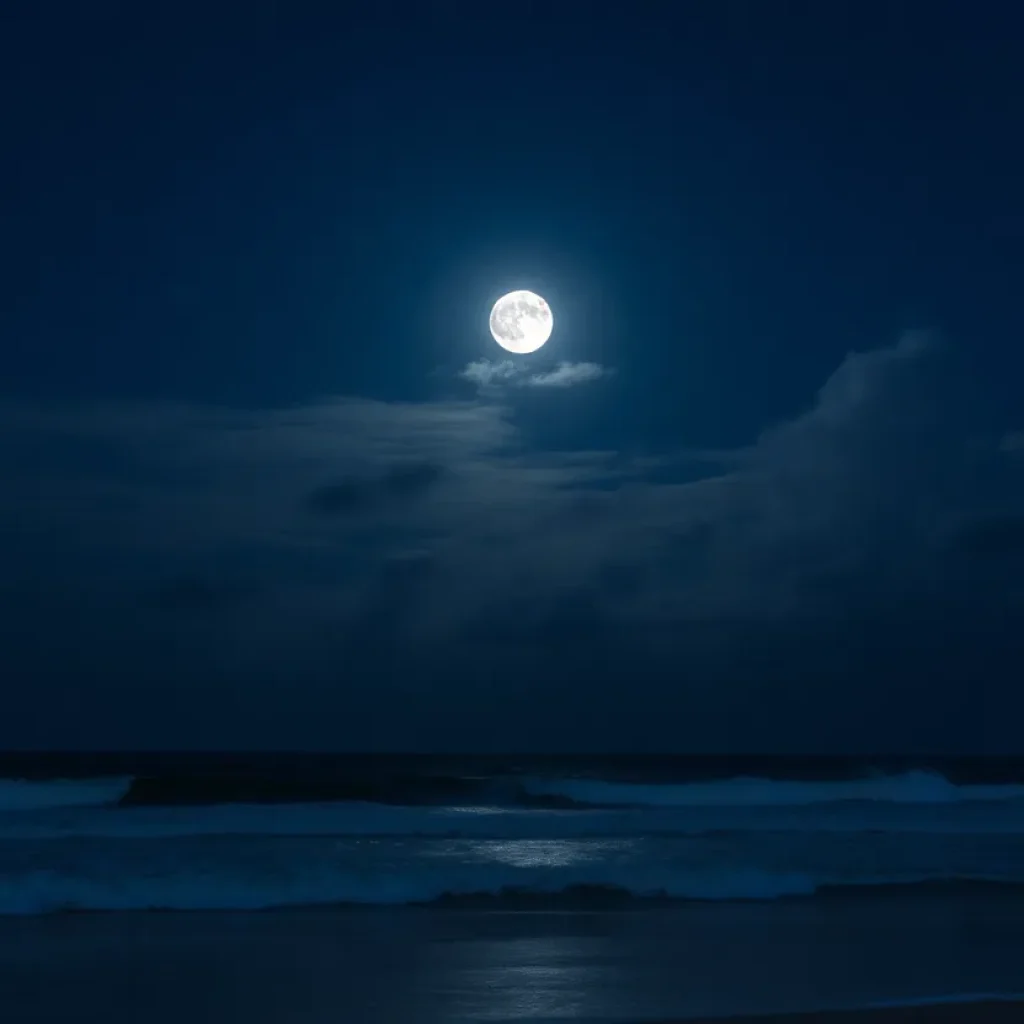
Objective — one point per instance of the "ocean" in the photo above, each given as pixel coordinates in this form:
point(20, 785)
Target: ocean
point(540, 888)
point(229, 832)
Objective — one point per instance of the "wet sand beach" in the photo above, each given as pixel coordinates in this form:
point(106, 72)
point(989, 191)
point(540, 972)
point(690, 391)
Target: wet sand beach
point(1003, 1011)
point(696, 962)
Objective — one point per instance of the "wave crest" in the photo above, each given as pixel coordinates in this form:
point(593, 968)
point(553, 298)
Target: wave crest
point(31, 795)
point(916, 787)
point(47, 893)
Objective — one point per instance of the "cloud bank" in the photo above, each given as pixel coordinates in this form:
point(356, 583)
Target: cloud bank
point(858, 565)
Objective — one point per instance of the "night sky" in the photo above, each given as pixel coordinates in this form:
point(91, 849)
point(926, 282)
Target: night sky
point(265, 483)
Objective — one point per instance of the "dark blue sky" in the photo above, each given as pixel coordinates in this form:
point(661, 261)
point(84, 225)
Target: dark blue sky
point(774, 499)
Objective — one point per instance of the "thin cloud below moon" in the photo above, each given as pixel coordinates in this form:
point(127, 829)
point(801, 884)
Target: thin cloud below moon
point(567, 375)
point(486, 374)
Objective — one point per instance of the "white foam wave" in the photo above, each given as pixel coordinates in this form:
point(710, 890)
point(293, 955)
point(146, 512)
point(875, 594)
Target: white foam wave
point(916, 787)
point(202, 888)
point(217, 870)
point(26, 794)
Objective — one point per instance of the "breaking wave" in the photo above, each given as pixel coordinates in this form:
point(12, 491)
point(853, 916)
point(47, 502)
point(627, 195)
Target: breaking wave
point(24, 794)
point(47, 892)
point(551, 792)
point(515, 841)
point(916, 787)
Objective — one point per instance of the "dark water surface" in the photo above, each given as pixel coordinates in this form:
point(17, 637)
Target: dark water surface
point(209, 832)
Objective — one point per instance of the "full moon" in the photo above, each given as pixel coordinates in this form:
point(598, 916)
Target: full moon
point(521, 322)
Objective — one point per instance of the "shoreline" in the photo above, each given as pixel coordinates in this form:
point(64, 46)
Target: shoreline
point(583, 899)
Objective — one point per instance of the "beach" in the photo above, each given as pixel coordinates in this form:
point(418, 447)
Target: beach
point(358, 891)
point(696, 962)
point(966, 1011)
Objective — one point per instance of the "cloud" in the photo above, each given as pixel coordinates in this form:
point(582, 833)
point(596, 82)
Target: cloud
point(401, 482)
point(485, 374)
point(567, 375)
point(192, 594)
point(398, 554)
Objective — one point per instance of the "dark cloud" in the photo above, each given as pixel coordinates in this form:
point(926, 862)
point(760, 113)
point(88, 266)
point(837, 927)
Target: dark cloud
point(992, 538)
point(446, 564)
point(411, 480)
point(194, 594)
point(354, 495)
point(340, 498)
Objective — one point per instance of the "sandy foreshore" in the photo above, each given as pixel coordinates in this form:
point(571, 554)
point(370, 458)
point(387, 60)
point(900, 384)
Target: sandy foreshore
point(981, 1012)
point(701, 964)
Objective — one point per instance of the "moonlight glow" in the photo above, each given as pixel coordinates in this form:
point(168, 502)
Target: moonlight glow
point(521, 322)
